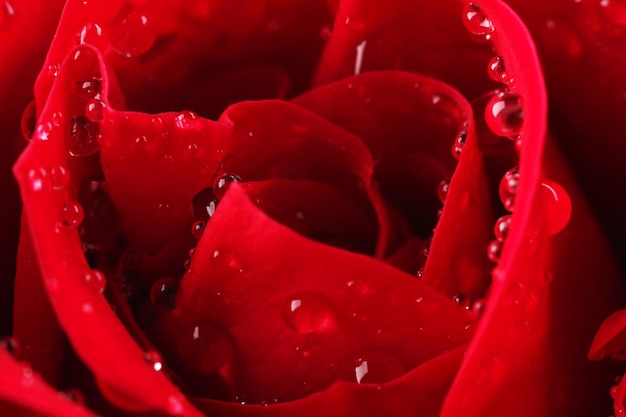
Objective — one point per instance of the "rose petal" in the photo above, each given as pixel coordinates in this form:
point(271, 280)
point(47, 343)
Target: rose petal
point(248, 278)
point(24, 393)
point(610, 341)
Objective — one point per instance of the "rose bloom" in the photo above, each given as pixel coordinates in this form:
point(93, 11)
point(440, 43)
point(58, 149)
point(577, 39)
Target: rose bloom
point(304, 208)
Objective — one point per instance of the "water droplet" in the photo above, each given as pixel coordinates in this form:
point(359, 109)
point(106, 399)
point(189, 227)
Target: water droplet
point(89, 88)
point(42, 131)
point(373, 366)
point(508, 188)
point(462, 300)
point(73, 395)
point(83, 137)
point(197, 228)
point(163, 293)
point(205, 346)
point(459, 144)
point(239, 399)
point(204, 204)
point(501, 229)
point(132, 33)
point(187, 120)
point(308, 312)
point(420, 273)
point(59, 177)
point(476, 22)
point(613, 391)
point(478, 307)
point(223, 182)
point(28, 376)
point(97, 280)
point(494, 250)
point(442, 190)
point(7, 12)
point(91, 33)
point(154, 359)
point(72, 214)
point(94, 110)
point(10, 345)
point(557, 207)
point(38, 178)
point(504, 114)
point(29, 120)
point(496, 70)
point(53, 70)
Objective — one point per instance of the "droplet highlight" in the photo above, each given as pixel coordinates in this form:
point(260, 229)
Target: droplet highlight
point(308, 312)
point(556, 207)
point(476, 22)
point(132, 33)
point(72, 214)
point(223, 182)
point(83, 136)
point(504, 114)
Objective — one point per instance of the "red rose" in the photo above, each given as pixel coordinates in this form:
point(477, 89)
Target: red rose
point(272, 251)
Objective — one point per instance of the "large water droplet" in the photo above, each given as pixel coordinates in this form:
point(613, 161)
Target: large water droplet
point(59, 177)
point(197, 228)
point(504, 114)
point(494, 250)
point(72, 214)
point(508, 188)
point(132, 33)
point(205, 346)
point(372, 366)
point(223, 182)
point(89, 88)
point(83, 136)
point(163, 293)
point(187, 120)
point(476, 22)
point(309, 312)
point(94, 110)
point(556, 207)
point(38, 179)
point(497, 70)
point(97, 280)
point(204, 204)
point(91, 33)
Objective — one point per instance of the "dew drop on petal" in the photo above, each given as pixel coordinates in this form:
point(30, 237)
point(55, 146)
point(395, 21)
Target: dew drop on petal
point(501, 228)
point(154, 359)
point(508, 188)
point(132, 33)
point(476, 22)
point(204, 204)
point(205, 346)
point(496, 70)
point(494, 250)
point(556, 207)
point(82, 138)
point(29, 120)
point(163, 293)
point(442, 190)
point(504, 114)
point(91, 33)
point(372, 366)
point(59, 177)
point(89, 88)
point(197, 228)
point(459, 144)
point(94, 110)
point(309, 312)
point(187, 120)
point(38, 178)
point(223, 182)
point(239, 399)
point(10, 345)
point(72, 214)
point(42, 131)
point(478, 307)
point(97, 280)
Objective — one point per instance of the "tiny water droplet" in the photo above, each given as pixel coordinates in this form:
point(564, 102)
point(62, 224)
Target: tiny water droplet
point(504, 114)
point(442, 190)
point(478, 307)
point(309, 312)
point(223, 182)
point(97, 280)
point(205, 346)
point(239, 399)
point(91, 33)
point(83, 137)
point(132, 33)
point(94, 110)
point(42, 131)
point(462, 300)
point(10, 345)
point(175, 405)
point(420, 273)
point(163, 293)
point(154, 359)
point(72, 214)
point(459, 144)
point(556, 207)
point(494, 250)
point(476, 22)
point(496, 70)
point(187, 120)
point(501, 229)
point(29, 120)
point(508, 188)
point(613, 391)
